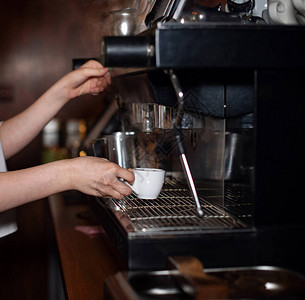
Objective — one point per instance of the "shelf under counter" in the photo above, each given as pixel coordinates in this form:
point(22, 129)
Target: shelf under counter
point(85, 261)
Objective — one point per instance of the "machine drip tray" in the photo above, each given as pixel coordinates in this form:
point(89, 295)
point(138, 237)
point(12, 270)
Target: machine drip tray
point(146, 232)
point(175, 211)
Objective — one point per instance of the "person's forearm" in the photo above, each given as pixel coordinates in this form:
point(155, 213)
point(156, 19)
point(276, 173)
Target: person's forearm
point(20, 187)
point(17, 132)
point(20, 130)
point(90, 175)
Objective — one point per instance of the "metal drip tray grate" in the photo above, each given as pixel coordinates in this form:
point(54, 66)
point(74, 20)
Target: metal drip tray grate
point(174, 210)
point(238, 201)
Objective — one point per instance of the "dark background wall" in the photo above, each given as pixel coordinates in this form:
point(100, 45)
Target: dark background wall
point(38, 40)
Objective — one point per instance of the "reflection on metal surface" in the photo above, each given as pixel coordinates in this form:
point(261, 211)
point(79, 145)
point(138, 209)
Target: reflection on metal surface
point(257, 282)
point(147, 116)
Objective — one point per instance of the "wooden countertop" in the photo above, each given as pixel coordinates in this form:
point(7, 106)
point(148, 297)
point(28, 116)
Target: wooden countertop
point(86, 260)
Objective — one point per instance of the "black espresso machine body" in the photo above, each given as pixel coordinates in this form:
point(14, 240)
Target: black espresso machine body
point(244, 89)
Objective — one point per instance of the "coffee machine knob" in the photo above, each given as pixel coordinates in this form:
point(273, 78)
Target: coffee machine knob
point(128, 51)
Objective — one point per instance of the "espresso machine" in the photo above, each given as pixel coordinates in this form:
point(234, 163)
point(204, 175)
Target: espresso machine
point(218, 103)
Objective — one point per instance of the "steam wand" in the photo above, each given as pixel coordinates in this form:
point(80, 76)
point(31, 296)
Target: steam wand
point(179, 139)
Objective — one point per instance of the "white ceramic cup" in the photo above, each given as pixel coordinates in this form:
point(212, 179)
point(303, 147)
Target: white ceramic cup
point(301, 18)
point(282, 12)
point(148, 182)
point(299, 6)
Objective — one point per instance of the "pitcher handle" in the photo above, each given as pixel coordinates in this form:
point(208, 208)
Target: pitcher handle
point(132, 4)
point(144, 7)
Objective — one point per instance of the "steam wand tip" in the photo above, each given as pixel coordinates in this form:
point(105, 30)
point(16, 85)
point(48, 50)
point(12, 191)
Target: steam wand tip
point(200, 212)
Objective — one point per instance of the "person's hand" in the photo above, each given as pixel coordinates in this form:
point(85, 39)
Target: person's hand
point(90, 78)
point(98, 177)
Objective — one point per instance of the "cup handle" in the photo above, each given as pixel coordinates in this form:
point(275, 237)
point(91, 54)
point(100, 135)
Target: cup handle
point(299, 5)
point(144, 7)
point(133, 187)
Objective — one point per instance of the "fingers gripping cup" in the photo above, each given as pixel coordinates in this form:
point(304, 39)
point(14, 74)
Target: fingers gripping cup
point(148, 182)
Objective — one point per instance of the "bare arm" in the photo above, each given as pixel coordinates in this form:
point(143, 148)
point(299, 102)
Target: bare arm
point(91, 175)
point(18, 131)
